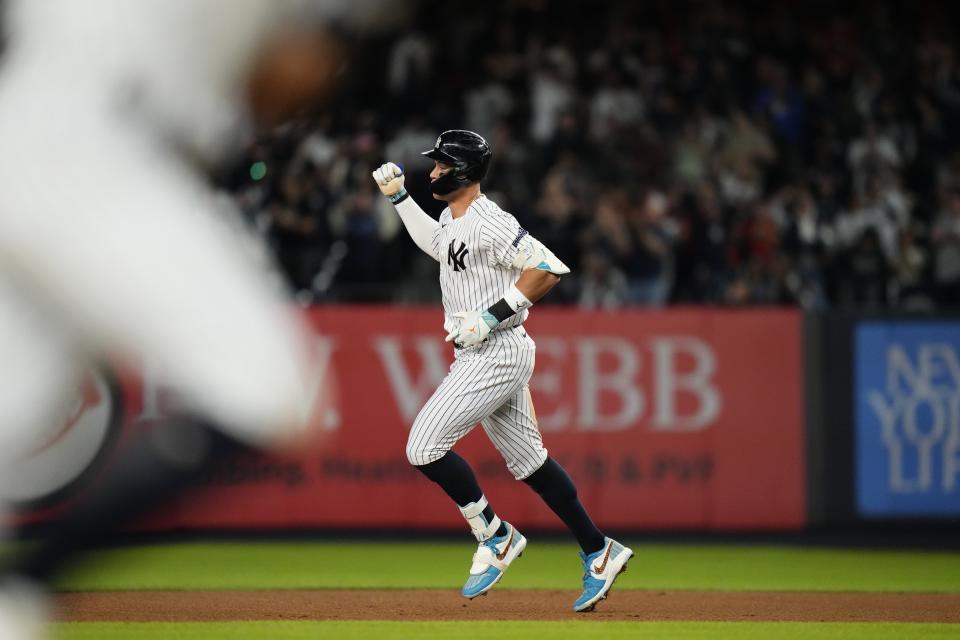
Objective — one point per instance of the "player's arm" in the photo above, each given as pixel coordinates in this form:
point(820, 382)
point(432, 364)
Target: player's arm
point(535, 283)
point(416, 221)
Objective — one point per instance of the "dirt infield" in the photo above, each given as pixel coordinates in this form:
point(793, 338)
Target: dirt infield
point(503, 604)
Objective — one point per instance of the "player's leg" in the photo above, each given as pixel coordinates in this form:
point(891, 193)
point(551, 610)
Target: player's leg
point(36, 374)
point(453, 474)
point(603, 558)
point(513, 430)
point(39, 366)
point(137, 258)
point(466, 396)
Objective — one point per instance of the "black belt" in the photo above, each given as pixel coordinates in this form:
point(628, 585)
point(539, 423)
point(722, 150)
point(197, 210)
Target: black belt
point(457, 345)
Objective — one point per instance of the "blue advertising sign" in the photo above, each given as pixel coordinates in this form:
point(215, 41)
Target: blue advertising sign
point(907, 385)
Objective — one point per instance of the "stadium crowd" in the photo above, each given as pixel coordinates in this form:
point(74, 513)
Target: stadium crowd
point(670, 152)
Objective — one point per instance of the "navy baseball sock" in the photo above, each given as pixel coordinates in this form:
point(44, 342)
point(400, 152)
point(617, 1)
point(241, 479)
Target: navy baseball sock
point(456, 478)
point(556, 488)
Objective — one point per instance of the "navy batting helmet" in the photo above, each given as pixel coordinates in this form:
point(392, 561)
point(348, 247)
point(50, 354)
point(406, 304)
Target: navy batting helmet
point(468, 156)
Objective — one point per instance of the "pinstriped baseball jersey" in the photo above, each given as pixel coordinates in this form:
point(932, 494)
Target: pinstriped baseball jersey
point(475, 253)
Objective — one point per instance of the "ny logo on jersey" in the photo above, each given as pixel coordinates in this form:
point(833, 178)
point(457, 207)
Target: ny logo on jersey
point(457, 257)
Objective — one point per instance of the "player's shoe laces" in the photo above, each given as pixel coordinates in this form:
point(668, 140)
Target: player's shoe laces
point(492, 558)
point(600, 569)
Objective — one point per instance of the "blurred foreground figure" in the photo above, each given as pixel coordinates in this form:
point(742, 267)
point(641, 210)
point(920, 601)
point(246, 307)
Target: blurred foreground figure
point(111, 243)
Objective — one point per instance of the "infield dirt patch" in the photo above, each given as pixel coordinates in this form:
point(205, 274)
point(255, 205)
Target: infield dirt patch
point(504, 604)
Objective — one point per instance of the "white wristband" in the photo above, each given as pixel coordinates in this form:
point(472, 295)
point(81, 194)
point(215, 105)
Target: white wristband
point(515, 298)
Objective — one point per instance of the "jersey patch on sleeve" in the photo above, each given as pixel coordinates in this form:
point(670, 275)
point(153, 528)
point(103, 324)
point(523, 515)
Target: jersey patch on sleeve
point(516, 241)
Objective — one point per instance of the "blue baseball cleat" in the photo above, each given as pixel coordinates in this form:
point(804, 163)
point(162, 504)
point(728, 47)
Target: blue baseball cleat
point(600, 569)
point(492, 558)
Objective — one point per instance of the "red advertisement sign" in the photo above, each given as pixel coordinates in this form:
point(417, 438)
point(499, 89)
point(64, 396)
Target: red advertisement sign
point(685, 418)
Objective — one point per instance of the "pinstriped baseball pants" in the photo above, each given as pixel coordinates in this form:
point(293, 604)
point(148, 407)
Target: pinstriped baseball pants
point(486, 384)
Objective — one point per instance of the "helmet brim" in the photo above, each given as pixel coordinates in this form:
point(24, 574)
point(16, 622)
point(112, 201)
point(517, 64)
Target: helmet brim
point(440, 156)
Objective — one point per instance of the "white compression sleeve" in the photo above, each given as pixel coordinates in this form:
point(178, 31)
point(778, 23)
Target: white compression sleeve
point(419, 225)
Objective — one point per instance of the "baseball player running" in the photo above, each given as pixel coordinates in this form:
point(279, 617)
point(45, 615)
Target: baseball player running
point(491, 272)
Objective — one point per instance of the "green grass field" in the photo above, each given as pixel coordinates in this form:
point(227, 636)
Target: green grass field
point(231, 565)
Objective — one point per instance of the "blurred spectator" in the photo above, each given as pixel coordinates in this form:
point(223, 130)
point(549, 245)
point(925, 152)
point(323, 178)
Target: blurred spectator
point(909, 271)
point(558, 220)
point(610, 233)
point(754, 250)
point(410, 65)
point(701, 266)
point(871, 154)
point(780, 101)
point(946, 252)
point(604, 286)
point(746, 142)
point(864, 282)
point(804, 243)
point(616, 104)
point(869, 212)
point(760, 282)
point(550, 95)
point(407, 144)
point(298, 227)
point(362, 224)
point(318, 147)
point(650, 264)
point(740, 180)
point(690, 157)
point(508, 173)
point(488, 105)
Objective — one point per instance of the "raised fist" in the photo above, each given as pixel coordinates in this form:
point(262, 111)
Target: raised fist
point(389, 178)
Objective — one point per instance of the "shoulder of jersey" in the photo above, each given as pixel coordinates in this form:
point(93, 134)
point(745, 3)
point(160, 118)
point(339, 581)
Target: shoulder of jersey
point(491, 211)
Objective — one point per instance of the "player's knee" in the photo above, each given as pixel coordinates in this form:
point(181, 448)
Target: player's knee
point(418, 444)
point(415, 454)
point(526, 468)
point(421, 453)
point(418, 456)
